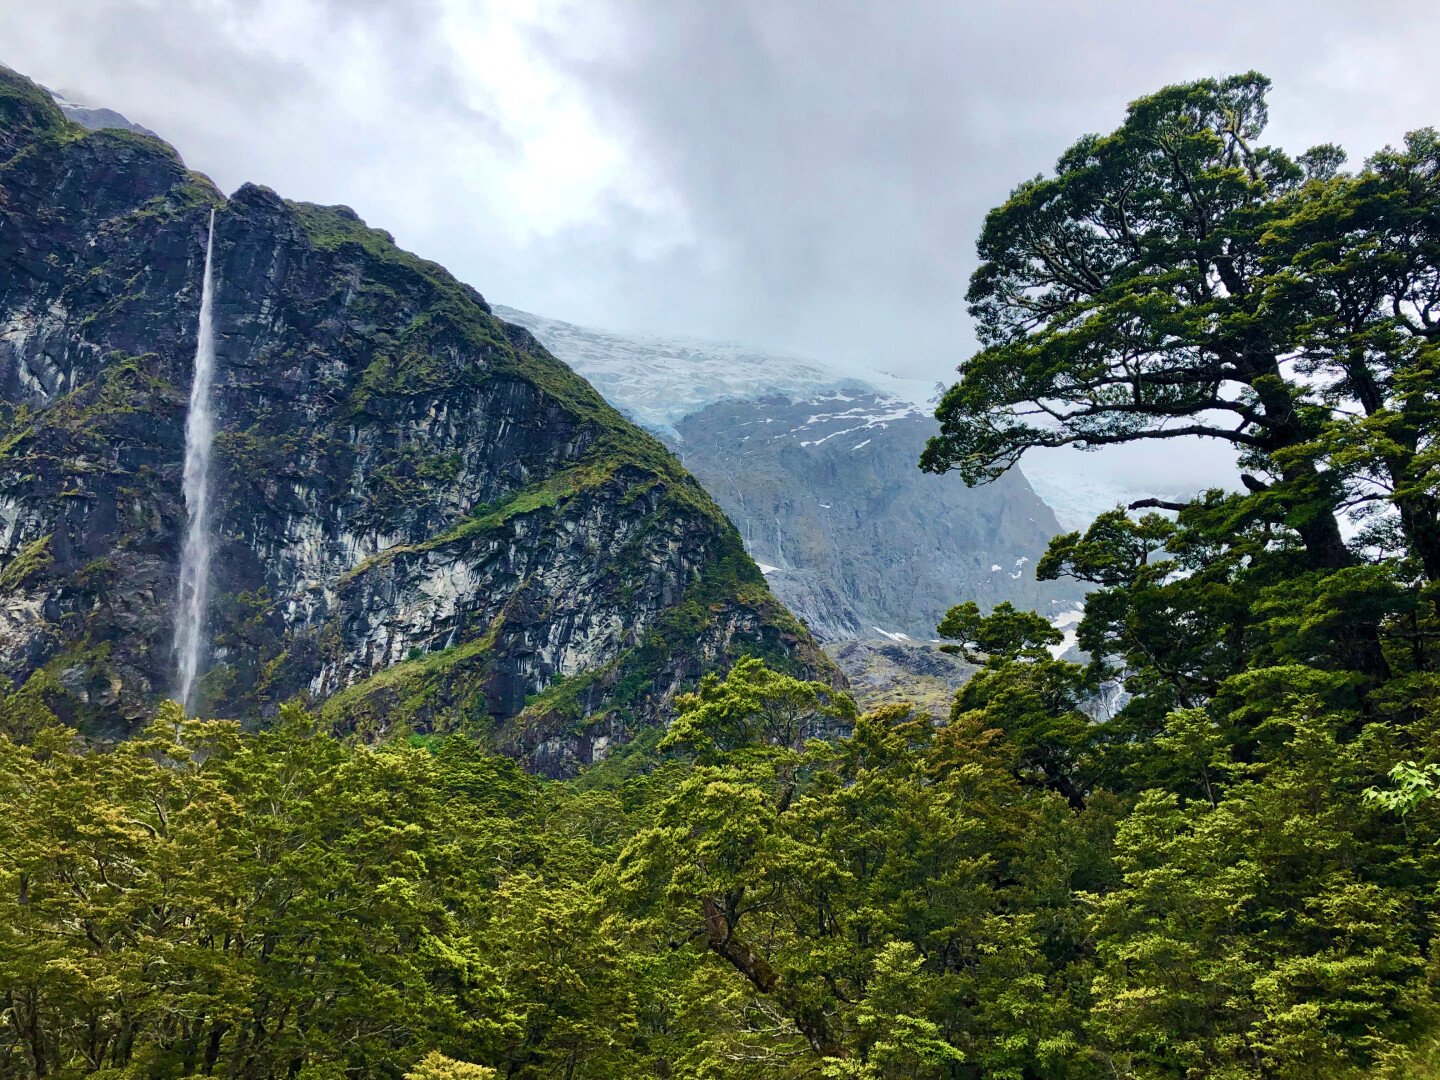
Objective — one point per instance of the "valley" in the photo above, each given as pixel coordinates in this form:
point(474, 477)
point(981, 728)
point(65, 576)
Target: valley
point(396, 684)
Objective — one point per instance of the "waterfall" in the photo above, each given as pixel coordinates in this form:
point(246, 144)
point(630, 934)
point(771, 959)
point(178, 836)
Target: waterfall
point(199, 434)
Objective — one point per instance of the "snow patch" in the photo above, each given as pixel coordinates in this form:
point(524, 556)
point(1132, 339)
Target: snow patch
point(892, 635)
point(659, 381)
point(1068, 623)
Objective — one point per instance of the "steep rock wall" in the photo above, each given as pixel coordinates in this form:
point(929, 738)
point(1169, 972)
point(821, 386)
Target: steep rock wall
point(424, 519)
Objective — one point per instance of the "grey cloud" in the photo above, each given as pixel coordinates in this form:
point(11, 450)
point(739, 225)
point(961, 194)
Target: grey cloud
point(839, 157)
point(831, 160)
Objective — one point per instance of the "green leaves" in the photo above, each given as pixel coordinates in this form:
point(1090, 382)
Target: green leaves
point(1005, 634)
point(910, 901)
point(1257, 915)
point(1175, 278)
point(194, 901)
point(1266, 932)
point(754, 705)
point(436, 1066)
point(1411, 784)
point(856, 889)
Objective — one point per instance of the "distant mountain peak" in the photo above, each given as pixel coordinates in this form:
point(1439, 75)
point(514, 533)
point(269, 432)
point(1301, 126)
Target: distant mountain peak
point(659, 381)
point(94, 118)
point(817, 468)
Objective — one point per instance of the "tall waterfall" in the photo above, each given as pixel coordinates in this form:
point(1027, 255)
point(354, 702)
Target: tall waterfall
point(199, 435)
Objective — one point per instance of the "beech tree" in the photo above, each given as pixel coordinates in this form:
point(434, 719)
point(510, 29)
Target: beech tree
point(1179, 278)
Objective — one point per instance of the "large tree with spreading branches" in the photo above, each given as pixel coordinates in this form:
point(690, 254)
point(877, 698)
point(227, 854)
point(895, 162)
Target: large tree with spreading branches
point(1178, 277)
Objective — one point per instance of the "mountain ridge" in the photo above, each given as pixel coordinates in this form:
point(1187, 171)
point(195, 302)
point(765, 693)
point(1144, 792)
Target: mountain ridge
point(424, 517)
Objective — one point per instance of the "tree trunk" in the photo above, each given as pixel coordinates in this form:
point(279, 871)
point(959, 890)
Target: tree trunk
point(1309, 512)
point(722, 939)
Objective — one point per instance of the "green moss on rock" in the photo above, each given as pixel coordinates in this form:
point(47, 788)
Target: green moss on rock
point(30, 561)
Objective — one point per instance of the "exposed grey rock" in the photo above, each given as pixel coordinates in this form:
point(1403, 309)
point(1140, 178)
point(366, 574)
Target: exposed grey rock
point(863, 544)
point(818, 469)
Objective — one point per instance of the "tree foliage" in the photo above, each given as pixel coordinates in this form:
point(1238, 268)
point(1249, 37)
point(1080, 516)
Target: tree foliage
point(1177, 278)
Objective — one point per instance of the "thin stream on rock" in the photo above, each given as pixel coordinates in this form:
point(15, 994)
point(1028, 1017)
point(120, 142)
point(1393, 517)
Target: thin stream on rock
point(195, 556)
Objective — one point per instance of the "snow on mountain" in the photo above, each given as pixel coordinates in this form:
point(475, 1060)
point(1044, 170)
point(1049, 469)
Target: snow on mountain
point(96, 119)
point(660, 381)
point(1068, 623)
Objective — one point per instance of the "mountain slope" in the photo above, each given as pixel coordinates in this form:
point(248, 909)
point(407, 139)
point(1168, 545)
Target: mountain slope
point(818, 470)
point(658, 382)
point(96, 119)
point(851, 534)
point(424, 518)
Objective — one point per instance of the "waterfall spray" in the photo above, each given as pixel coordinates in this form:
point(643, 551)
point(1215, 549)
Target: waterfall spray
point(199, 434)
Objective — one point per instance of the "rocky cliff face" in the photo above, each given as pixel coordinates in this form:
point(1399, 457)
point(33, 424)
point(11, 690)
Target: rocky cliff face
point(818, 469)
point(424, 518)
point(850, 533)
point(885, 671)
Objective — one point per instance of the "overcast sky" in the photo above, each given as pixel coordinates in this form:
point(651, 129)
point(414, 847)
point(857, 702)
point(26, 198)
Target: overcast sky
point(807, 175)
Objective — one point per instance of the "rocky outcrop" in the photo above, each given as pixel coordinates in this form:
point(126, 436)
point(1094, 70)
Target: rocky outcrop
point(424, 518)
point(881, 672)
